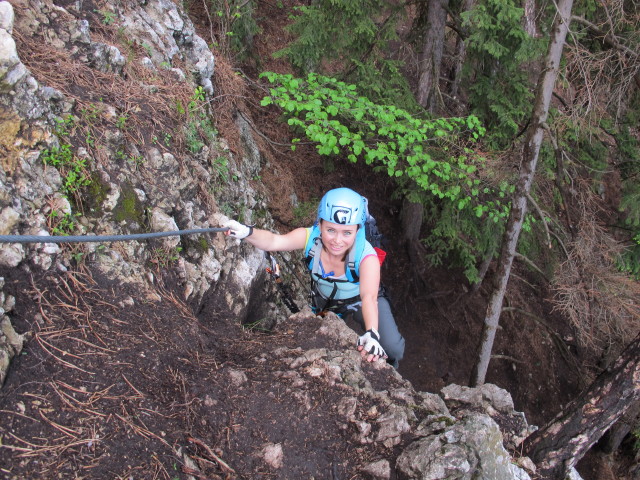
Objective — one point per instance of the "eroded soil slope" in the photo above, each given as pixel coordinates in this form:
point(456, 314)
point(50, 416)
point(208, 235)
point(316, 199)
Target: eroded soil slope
point(121, 383)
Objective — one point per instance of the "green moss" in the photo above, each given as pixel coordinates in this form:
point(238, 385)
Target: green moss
point(129, 208)
point(97, 191)
point(446, 420)
point(198, 243)
point(201, 244)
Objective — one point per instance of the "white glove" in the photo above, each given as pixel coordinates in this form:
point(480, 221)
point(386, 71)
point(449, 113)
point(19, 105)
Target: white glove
point(238, 230)
point(370, 342)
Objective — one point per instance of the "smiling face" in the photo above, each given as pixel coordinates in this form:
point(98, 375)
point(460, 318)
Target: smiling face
point(337, 239)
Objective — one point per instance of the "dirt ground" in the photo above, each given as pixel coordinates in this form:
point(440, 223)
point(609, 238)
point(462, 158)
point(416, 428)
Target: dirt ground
point(137, 387)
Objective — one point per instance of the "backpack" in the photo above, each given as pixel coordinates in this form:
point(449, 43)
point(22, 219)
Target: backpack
point(352, 268)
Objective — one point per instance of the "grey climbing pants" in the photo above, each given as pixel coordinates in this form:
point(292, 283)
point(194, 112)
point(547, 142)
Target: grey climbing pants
point(390, 338)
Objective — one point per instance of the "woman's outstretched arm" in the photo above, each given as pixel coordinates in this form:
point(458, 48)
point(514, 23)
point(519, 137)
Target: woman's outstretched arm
point(266, 240)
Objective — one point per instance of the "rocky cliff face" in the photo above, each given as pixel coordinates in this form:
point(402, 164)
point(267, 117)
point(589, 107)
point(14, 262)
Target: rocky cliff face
point(104, 130)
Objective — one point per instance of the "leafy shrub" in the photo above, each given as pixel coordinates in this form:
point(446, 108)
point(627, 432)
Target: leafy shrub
point(73, 169)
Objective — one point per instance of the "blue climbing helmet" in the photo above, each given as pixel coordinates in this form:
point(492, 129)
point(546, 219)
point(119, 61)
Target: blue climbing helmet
point(344, 207)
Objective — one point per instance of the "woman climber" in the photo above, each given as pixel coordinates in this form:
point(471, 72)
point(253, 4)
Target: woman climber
point(344, 268)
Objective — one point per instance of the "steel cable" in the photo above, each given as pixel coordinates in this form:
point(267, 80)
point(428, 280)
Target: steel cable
point(101, 238)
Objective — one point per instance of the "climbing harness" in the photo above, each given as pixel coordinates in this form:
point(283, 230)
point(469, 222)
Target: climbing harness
point(285, 291)
point(101, 238)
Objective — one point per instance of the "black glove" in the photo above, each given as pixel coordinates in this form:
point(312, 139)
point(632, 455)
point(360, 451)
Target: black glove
point(238, 230)
point(370, 342)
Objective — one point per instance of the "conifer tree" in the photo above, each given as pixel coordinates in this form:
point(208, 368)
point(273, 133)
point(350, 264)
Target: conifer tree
point(349, 40)
point(431, 57)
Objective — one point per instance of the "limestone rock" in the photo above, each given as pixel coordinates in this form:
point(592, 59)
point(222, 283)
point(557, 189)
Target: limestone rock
point(10, 345)
point(470, 449)
point(6, 17)
point(11, 254)
point(379, 470)
point(273, 455)
point(8, 219)
point(392, 425)
point(496, 402)
point(11, 68)
point(161, 222)
point(238, 377)
point(107, 58)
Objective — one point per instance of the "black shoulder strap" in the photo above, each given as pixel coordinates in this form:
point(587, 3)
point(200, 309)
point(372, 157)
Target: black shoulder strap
point(350, 267)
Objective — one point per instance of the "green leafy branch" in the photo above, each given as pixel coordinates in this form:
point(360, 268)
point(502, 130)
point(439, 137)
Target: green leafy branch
point(430, 152)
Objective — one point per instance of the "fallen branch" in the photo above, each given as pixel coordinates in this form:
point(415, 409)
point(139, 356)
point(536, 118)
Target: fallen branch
point(25, 451)
point(18, 414)
point(542, 218)
point(521, 257)
point(210, 453)
point(193, 472)
point(18, 449)
point(70, 365)
point(138, 392)
point(61, 428)
point(74, 403)
point(92, 345)
point(507, 357)
point(144, 432)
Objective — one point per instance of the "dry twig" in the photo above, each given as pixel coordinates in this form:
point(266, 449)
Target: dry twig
point(600, 301)
point(211, 454)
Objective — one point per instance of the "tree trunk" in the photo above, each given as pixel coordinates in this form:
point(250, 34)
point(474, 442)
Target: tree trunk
point(482, 271)
point(529, 18)
point(613, 438)
point(460, 55)
point(560, 444)
point(411, 220)
point(431, 57)
point(519, 201)
point(412, 213)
